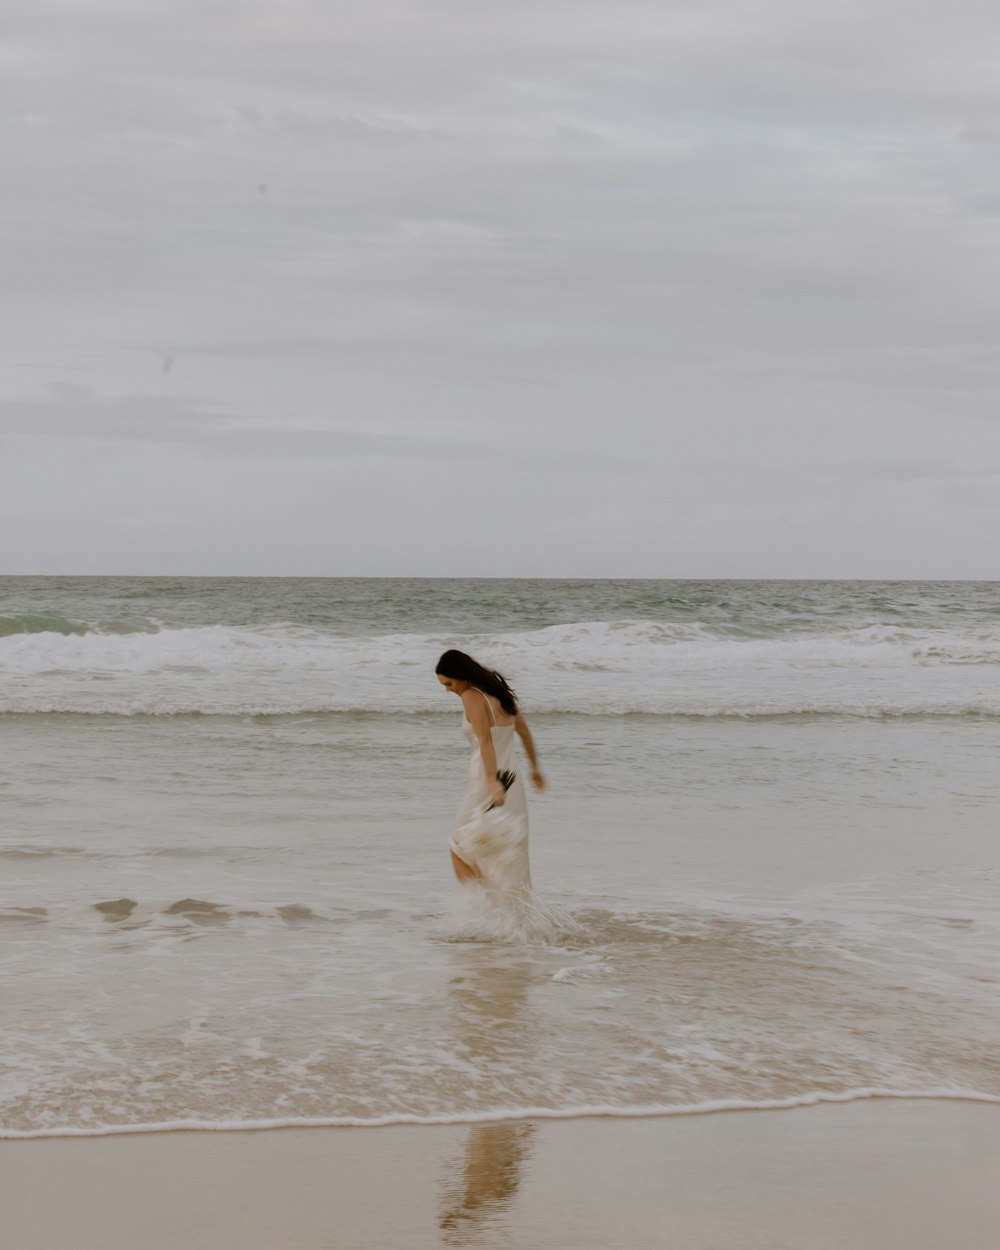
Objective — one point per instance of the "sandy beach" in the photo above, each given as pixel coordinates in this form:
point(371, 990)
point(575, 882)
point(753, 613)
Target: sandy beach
point(770, 834)
point(885, 1175)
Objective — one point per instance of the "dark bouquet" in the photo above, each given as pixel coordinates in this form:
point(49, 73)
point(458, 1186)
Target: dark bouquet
point(506, 779)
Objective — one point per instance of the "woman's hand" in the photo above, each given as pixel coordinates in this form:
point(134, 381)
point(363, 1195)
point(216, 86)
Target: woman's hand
point(497, 793)
point(537, 779)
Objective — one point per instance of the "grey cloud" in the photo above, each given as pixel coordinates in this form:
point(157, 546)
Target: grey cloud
point(335, 128)
point(75, 412)
point(767, 57)
point(673, 226)
point(565, 198)
point(990, 135)
point(907, 471)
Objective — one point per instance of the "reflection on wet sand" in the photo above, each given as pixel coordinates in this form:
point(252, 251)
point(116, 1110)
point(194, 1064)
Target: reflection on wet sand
point(488, 996)
point(494, 1154)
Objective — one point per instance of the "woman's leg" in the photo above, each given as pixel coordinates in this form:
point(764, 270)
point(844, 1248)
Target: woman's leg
point(463, 871)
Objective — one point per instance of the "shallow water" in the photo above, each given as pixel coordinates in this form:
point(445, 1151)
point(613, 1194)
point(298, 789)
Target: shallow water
point(769, 839)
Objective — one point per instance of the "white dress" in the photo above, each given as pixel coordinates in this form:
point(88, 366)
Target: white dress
point(494, 842)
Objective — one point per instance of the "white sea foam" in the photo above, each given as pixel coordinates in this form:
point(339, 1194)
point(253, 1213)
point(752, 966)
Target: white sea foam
point(525, 919)
point(810, 1099)
point(590, 646)
point(602, 667)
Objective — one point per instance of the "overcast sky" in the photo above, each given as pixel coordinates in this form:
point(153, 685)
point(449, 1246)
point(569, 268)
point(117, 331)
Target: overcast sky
point(665, 288)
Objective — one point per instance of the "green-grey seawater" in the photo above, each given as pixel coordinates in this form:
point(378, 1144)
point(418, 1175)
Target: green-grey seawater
point(225, 887)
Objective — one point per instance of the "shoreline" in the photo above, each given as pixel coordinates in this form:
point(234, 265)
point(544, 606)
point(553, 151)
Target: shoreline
point(883, 1173)
point(458, 1120)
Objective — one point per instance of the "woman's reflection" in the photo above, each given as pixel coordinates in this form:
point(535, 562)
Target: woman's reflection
point(488, 996)
point(494, 1154)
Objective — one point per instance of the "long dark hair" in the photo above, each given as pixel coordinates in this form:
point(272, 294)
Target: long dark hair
point(463, 667)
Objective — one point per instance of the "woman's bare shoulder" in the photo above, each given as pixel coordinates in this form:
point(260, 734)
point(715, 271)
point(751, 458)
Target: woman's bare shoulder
point(473, 701)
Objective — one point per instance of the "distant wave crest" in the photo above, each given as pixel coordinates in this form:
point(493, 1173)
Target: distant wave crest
point(62, 626)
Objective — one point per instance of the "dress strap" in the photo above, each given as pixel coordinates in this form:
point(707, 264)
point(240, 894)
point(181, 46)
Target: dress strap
point(489, 707)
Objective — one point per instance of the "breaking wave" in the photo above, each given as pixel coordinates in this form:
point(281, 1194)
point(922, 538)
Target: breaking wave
point(598, 667)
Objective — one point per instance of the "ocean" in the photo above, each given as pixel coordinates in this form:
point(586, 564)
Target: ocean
point(225, 895)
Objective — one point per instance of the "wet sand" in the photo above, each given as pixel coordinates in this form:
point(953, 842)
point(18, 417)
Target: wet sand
point(912, 1175)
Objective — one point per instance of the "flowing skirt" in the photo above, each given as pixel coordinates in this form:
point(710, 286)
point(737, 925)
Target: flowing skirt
point(494, 840)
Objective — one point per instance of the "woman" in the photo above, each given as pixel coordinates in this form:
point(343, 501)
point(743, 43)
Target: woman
point(489, 844)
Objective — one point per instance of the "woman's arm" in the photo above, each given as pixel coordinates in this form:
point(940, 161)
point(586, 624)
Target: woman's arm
point(524, 733)
point(475, 712)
